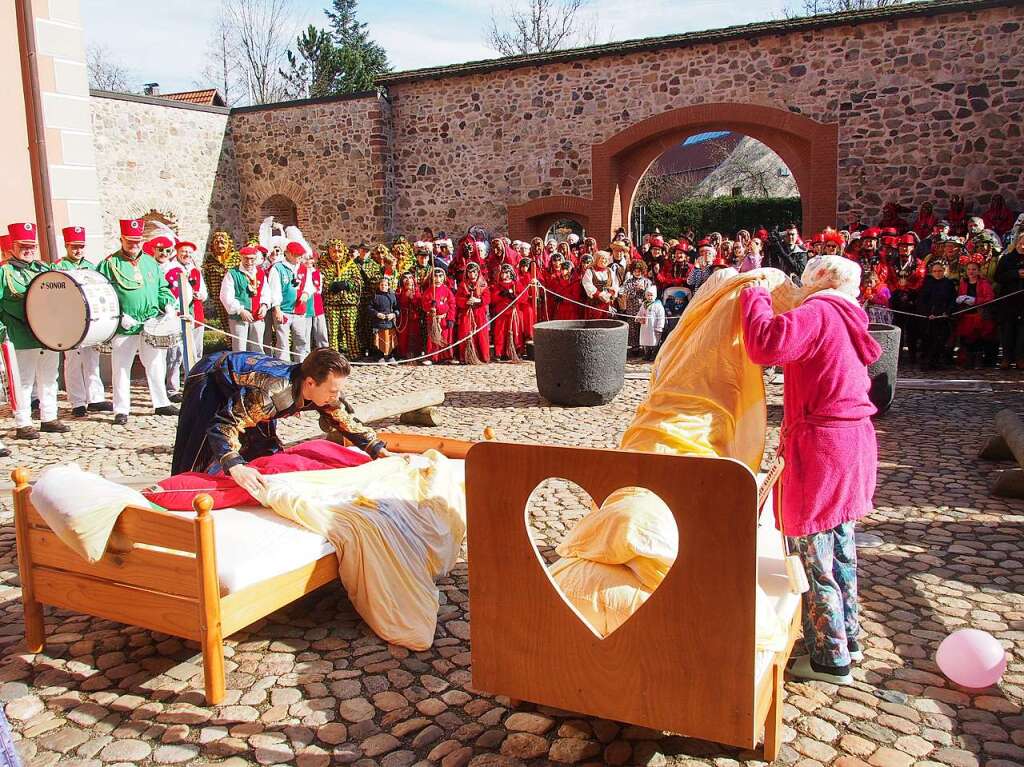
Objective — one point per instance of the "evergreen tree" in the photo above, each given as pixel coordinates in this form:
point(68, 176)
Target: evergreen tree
point(314, 69)
point(361, 59)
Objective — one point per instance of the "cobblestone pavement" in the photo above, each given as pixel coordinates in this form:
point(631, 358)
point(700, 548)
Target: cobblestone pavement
point(311, 685)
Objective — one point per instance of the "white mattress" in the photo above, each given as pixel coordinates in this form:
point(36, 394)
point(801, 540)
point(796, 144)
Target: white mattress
point(254, 544)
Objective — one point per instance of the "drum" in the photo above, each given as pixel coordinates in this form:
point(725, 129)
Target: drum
point(162, 332)
point(67, 310)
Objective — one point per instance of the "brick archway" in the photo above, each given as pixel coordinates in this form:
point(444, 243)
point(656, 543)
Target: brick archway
point(535, 217)
point(808, 147)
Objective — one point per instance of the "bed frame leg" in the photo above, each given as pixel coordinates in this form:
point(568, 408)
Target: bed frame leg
point(773, 722)
point(211, 638)
point(32, 610)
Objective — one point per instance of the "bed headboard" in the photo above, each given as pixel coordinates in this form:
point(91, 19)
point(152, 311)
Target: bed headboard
point(685, 661)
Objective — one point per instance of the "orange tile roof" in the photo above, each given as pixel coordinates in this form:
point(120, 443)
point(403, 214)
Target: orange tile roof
point(208, 97)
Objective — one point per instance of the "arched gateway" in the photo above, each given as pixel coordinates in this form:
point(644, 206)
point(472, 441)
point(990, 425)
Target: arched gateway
point(808, 147)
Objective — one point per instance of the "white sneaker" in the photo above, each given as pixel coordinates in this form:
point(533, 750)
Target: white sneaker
point(802, 669)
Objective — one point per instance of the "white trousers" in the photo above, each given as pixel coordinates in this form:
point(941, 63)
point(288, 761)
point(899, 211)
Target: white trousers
point(82, 376)
point(39, 367)
point(124, 351)
point(248, 336)
point(296, 330)
point(176, 360)
point(319, 332)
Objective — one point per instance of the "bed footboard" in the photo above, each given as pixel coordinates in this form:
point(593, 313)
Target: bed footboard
point(159, 572)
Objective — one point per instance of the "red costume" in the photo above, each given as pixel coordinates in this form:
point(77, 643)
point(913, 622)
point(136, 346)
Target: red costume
point(500, 254)
point(957, 216)
point(471, 317)
point(975, 326)
point(566, 286)
point(891, 218)
point(410, 322)
point(530, 301)
point(509, 330)
point(438, 301)
point(924, 222)
point(998, 217)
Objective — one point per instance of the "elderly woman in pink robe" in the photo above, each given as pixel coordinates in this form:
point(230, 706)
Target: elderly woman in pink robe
point(829, 445)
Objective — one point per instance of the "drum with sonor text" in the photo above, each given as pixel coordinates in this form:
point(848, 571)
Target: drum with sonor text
point(68, 310)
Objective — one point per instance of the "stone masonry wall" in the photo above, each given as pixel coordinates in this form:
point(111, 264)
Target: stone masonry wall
point(320, 156)
point(927, 107)
point(176, 161)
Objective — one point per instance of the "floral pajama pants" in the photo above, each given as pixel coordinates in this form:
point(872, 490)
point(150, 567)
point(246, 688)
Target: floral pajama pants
point(830, 611)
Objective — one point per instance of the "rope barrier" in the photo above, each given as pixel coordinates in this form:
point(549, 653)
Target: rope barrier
point(446, 349)
point(951, 315)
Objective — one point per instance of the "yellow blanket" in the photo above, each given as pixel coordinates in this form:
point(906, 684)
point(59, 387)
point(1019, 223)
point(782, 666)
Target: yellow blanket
point(397, 524)
point(706, 398)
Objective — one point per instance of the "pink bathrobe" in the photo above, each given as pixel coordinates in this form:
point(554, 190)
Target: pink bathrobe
point(827, 435)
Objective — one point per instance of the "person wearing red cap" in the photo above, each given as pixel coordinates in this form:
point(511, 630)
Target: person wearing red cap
point(35, 364)
point(6, 248)
point(144, 294)
point(291, 286)
point(180, 268)
point(246, 299)
point(82, 364)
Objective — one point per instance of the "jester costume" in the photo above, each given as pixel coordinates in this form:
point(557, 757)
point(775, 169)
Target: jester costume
point(232, 401)
point(221, 258)
point(343, 286)
point(404, 256)
point(371, 272)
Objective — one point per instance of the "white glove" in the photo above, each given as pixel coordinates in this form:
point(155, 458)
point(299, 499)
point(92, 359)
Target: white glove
point(969, 300)
point(128, 322)
point(170, 311)
point(960, 299)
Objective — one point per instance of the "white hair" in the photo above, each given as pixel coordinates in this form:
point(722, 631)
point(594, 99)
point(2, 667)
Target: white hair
point(836, 272)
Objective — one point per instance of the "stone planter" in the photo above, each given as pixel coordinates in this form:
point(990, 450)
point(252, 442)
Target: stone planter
point(883, 372)
point(580, 363)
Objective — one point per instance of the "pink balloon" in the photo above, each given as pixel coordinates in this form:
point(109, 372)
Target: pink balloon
point(972, 658)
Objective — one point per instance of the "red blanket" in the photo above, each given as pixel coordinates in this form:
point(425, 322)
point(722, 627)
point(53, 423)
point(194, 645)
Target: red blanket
point(177, 493)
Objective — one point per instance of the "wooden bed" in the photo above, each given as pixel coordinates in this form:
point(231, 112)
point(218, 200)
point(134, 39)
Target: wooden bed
point(685, 661)
point(174, 588)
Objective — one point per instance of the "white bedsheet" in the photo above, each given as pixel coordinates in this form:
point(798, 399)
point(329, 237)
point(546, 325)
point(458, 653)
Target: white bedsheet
point(254, 544)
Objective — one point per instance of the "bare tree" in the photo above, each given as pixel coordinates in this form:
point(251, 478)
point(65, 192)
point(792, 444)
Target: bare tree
point(744, 170)
point(221, 67)
point(538, 26)
point(819, 7)
point(248, 49)
point(106, 72)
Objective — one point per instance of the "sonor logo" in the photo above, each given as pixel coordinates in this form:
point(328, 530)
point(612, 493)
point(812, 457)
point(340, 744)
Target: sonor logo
point(53, 285)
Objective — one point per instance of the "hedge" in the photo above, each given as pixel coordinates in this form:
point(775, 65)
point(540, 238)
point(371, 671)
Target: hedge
point(720, 214)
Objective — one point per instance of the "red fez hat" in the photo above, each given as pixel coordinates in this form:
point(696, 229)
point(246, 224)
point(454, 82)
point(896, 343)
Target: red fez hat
point(248, 250)
point(295, 248)
point(262, 250)
point(157, 243)
point(73, 235)
point(184, 244)
point(24, 234)
point(5, 242)
point(131, 228)
point(890, 230)
point(719, 262)
point(871, 233)
point(657, 241)
point(705, 244)
point(908, 239)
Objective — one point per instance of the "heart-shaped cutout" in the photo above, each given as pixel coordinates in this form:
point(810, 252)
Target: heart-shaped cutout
point(604, 562)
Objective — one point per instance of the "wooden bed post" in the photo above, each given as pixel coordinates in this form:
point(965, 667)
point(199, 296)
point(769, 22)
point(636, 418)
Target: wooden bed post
point(210, 634)
point(773, 722)
point(35, 630)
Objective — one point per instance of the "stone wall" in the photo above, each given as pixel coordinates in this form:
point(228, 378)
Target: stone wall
point(173, 159)
point(328, 158)
point(926, 107)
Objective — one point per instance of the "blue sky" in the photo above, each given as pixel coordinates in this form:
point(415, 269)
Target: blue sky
point(164, 42)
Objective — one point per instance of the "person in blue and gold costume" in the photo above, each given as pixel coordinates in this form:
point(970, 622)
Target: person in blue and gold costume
point(232, 401)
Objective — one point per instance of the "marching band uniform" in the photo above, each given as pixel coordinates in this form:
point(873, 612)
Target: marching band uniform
point(35, 363)
point(174, 273)
point(230, 411)
point(144, 294)
point(246, 288)
point(81, 365)
point(291, 285)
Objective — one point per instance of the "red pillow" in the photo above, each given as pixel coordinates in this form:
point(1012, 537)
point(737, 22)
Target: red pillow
point(177, 493)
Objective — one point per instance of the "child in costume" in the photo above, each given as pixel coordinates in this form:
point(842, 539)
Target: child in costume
point(652, 323)
point(384, 310)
